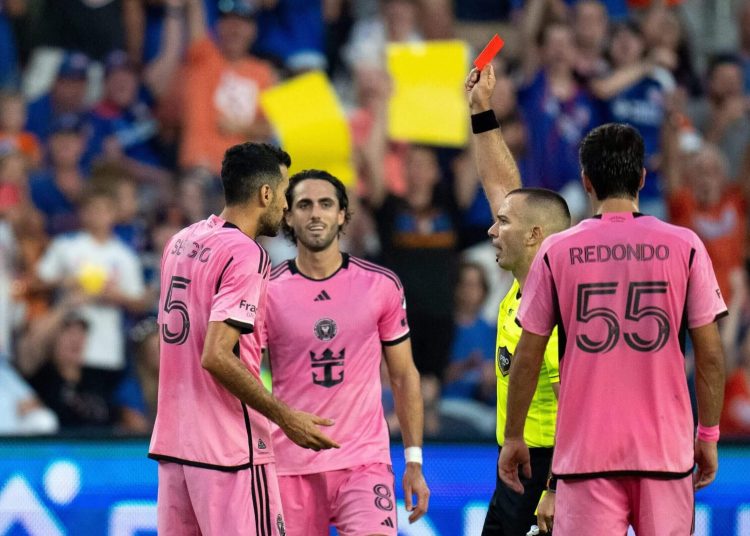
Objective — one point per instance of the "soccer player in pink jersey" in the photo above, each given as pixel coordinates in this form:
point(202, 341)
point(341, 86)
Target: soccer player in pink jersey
point(212, 437)
point(624, 289)
point(331, 317)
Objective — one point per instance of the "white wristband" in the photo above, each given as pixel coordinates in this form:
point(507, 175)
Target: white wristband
point(413, 455)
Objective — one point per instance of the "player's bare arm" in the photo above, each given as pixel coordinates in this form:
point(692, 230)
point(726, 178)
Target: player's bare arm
point(219, 359)
point(497, 168)
point(709, 387)
point(407, 396)
point(524, 375)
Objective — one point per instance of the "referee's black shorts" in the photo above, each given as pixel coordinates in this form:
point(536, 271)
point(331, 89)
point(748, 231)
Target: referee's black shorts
point(511, 514)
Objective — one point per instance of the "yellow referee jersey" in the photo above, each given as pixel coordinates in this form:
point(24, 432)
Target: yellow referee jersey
point(540, 422)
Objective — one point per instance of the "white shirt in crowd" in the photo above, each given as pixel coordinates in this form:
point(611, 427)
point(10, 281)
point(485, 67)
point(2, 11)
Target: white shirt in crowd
point(66, 256)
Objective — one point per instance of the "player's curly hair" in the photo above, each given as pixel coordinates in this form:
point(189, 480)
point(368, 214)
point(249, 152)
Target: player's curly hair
point(316, 174)
point(248, 166)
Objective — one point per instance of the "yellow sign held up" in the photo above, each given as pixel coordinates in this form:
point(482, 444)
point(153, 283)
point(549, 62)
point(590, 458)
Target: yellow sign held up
point(310, 122)
point(429, 104)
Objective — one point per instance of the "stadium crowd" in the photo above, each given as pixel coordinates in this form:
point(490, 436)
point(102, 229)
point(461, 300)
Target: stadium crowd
point(114, 116)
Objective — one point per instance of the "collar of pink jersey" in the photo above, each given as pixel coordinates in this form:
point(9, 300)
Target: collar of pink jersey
point(618, 217)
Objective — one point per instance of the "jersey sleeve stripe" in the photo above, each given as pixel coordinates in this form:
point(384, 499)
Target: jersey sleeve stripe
point(377, 269)
point(262, 261)
point(279, 272)
point(394, 342)
point(221, 275)
point(692, 258)
point(244, 327)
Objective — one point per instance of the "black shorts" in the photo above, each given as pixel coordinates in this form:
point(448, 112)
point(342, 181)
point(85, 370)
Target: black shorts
point(511, 514)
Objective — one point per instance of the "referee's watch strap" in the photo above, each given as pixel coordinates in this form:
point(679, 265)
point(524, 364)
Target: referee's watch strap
point(552, 484)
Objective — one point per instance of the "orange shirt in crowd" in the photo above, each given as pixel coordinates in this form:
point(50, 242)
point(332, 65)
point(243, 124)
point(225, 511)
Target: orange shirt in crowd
point(722, 227)
point(215, 87)
point(737, 391)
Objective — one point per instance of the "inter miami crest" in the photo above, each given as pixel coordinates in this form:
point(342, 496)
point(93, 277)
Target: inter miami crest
point(503, 360)
point(325, 329)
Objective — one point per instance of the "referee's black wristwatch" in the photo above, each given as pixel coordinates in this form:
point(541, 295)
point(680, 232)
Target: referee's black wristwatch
point(552, 484)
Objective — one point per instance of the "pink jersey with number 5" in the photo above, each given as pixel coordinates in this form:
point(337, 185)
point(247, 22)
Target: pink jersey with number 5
point(325, 340)
point(624, 289)
point(211, 272)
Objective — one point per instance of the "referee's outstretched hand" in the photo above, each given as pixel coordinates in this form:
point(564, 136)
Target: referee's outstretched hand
point(479, 86)
point(514, 453)
point(302, 428)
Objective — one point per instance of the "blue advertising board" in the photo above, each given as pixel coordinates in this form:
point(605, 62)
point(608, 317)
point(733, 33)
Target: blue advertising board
point(108, 488)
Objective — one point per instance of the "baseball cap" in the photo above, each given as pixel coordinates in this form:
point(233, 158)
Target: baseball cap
point(67, 123)
point(74, 65)
point(239, 8)
point(116, 60)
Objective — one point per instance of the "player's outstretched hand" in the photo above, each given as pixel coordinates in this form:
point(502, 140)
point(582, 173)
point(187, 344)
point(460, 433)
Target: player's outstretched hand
point(707, 459)
point(414, 484)
point(302, 428)
point(515, 452)
point(479, 86)
point(545, 512)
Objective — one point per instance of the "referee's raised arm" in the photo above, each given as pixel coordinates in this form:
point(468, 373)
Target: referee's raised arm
point(497, 168)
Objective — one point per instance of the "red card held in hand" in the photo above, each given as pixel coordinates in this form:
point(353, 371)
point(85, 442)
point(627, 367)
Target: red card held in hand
point(489, 52)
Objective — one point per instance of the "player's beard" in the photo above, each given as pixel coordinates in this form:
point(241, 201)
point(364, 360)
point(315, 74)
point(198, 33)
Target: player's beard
point(270, 222)
point(319, 244)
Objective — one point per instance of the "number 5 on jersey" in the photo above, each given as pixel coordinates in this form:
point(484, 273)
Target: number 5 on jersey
point(173, 304)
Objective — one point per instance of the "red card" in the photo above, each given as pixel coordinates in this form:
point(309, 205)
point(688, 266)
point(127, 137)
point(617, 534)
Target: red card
point(489, 52)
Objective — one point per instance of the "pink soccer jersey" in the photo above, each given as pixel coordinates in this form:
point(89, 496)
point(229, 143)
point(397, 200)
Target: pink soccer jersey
point(325, 340)
point(624, 288)
point(211, 272)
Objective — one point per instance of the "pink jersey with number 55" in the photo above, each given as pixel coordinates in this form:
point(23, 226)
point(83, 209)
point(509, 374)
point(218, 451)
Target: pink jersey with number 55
point(211, 272)
point(624, 289)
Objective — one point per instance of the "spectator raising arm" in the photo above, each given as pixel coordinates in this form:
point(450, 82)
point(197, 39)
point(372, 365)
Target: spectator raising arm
point(159, 72)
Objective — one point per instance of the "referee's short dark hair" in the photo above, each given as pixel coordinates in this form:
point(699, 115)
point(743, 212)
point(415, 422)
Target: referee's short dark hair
point(248, 166)
point(552, 204)
point(320, 175)
point(612, 158)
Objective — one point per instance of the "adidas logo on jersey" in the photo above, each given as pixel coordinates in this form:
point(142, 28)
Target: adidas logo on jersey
point(323, 296)
point(261, 444)
point(387, 522)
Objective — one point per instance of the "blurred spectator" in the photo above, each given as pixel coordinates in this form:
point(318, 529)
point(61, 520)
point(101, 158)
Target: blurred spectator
point(94, 262)
point(12, 128)
point(735, 415)
point(93, 27)
point(21, 410)
point(471, 371)
point(664, 29)
point(743, 33)
point(553, 101)
point(723, 116)
point(67, 96)
point(396, 22)
point(80, 395)
point(418, 233)
point(123, 126)
point(9, 9)
point(701, 197)
point(56, 190)
point(7, 275)
point(590, 24)
point(222, 84)
point(635, 92)
point(145, 336)
point(291, 32)
point(14, 183)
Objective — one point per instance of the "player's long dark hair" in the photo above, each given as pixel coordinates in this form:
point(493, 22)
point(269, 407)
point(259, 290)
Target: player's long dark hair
point(320, 175)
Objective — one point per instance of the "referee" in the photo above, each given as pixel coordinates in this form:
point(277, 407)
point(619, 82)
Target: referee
point(524, 217)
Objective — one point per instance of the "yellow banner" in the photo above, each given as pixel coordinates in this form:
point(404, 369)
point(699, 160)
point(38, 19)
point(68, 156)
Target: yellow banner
point(429, 104)
point(308, 119)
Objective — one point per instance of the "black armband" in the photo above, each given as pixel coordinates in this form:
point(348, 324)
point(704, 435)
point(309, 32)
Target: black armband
point(483, 122)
